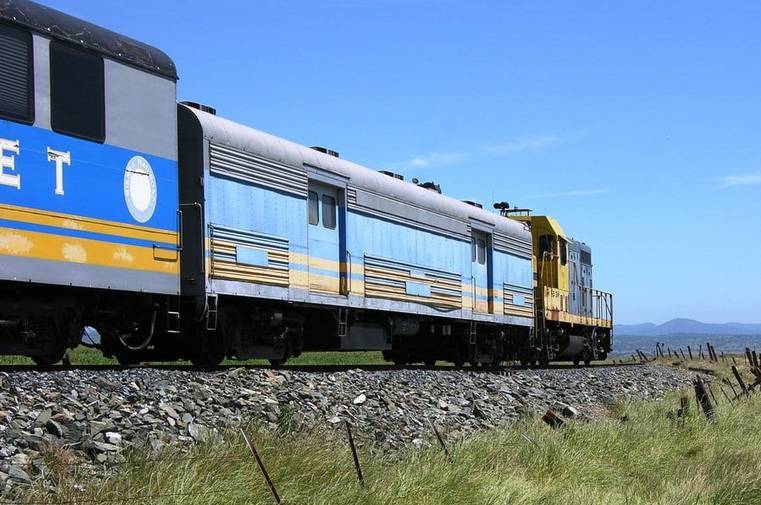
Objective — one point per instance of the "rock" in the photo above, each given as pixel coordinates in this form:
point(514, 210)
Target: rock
point(169, 410)
point(360, 399)
point(43, 418)
point(113, 438)
point(443, 405)
point(18, 474)
point(54, 428)
point(569, 412)
point(198, 432)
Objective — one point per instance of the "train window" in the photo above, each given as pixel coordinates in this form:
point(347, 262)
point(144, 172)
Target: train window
point(481, 251)
point(546, 245)
point(473, 250)
point(563, 252)
point(77, 94)
point(328, 212)
point(314, 208)
point(17, 81)
point(586, 257)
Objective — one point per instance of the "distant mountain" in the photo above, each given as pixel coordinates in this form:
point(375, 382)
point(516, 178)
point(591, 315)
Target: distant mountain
point(686, 327)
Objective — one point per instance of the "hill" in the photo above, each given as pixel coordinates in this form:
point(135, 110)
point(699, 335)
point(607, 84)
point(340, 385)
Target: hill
point(682, 326)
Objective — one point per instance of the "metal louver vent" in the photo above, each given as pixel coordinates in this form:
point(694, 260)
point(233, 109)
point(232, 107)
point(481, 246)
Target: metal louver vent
point(15, 79)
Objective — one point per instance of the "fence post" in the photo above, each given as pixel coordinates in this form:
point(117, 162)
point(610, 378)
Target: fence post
point(739, 379)
point(438, 437)
point(710, 392)
point(703, 400)
point(354, 455)
point(749, 356)
point(682, 353)
point(689, 350)
point(259, 462)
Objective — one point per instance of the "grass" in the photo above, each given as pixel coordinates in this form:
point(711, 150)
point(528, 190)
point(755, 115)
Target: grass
point(88, 356)
point(650, 458)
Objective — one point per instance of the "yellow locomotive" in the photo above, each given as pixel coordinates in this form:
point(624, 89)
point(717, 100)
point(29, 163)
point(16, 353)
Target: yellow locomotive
point(573, 319)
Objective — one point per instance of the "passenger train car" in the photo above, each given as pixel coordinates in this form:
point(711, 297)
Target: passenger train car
point(180, 234)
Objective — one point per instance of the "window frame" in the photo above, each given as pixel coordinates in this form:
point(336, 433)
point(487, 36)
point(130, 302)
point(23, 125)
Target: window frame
point(563, 251)
point(316, 201)
point(31, 112)
point(333, 209)
point(56, 45)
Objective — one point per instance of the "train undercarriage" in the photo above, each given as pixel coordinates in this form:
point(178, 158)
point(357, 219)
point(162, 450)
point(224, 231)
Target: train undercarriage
point(140, 328)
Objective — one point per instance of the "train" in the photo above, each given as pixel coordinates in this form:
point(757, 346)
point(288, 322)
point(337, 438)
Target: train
point(181, 235)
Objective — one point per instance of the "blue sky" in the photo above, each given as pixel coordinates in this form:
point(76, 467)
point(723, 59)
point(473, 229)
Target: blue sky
point(635, 123)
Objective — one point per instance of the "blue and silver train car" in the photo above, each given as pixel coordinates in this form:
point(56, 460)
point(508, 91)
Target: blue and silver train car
point(287, 248)
point(88, 183)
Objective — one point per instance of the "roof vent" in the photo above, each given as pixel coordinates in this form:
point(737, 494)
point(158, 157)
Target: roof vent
point(392, 174)
point(325, 150)
point(432, 186)
point(205, 108)
point(474, 204)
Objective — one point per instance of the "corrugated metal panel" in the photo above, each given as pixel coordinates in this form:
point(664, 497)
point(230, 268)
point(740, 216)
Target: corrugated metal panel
point(351, 196)
point(512, 245)
point(14, 79)
point(229, 245)
point(517, 301)
point(392, 279)
point(237, 164)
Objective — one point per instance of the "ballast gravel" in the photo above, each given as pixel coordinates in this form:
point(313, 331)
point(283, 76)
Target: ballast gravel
point(96, 415)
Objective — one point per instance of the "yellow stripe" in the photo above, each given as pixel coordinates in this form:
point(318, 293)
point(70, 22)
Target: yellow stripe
point(46, 246)
point(72, 222)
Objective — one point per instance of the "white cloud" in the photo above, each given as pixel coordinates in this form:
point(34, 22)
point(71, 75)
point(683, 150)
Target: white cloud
point(522, 145)
point(730, 181)
point(445, 158)
point(574, 192)
point(434, 159)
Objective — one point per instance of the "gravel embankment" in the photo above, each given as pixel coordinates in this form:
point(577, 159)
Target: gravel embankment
point(96, 415)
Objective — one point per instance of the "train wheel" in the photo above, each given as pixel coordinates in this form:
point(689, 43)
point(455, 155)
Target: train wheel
point(211, 351)
point(576, 361)
point(430, 362)
point(278, 361)
point(587, 362)
point(50, 358)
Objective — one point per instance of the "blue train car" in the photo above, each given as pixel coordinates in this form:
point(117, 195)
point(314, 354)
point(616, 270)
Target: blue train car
point(88, 182)
point(295, 248)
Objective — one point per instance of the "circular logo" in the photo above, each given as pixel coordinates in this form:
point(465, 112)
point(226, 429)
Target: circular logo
point(140, 189)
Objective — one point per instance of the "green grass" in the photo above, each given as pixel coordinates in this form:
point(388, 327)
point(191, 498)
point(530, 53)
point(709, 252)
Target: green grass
point(648, 459)
point(88, 356)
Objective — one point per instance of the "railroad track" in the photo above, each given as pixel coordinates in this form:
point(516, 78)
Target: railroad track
point(303, 368)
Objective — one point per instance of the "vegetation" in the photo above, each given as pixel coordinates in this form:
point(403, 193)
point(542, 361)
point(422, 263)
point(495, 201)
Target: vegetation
point(638, 453)
point(88, 356)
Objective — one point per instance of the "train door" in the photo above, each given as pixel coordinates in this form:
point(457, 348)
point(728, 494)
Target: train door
point(481, 273)
point(324, 237)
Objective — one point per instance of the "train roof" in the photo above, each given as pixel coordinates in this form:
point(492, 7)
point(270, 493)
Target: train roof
point(228, 133)
point(61, 26)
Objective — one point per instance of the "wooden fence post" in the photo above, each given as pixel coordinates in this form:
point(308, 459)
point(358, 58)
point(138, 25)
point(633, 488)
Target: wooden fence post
point(702, 396)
